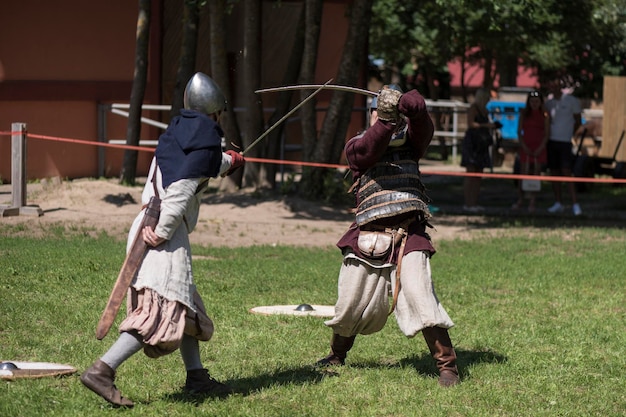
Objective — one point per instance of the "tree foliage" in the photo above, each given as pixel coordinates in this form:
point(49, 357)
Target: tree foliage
point(580, 38)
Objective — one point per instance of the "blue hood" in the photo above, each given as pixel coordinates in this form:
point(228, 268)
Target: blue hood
point(191, 147)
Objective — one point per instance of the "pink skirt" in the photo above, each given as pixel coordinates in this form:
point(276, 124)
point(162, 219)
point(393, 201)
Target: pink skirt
point(162, 322)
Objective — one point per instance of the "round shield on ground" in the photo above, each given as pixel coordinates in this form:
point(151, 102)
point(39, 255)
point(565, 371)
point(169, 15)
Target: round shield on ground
point(296, 310)
point(11, 370)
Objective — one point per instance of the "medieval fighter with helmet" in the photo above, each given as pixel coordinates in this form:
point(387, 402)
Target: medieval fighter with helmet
point(387, 250)
point(164, 310)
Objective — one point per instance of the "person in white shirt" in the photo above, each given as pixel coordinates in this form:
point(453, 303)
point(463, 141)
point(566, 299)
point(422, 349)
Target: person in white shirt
point(565, 118)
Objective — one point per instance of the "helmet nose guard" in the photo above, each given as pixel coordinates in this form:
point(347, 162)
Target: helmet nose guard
point(203, 95)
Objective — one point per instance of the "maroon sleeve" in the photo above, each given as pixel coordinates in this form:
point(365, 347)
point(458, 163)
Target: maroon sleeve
point(421, 130)
point(421, 127)
point(363, 151)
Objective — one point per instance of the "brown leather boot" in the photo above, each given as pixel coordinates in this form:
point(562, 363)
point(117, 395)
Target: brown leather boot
point(200, 382)
point(441, 349)
point(99, 378)
point(339, 347)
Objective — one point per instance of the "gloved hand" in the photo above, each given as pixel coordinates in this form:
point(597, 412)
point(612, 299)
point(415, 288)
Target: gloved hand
point(388, 104)
point(497, 125)
point(236, 161)
point(411, 104)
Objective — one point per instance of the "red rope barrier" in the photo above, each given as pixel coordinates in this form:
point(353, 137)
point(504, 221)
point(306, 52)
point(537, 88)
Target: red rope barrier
point(525, 177)
point(302, 163)
point(338, 166)
point(88, 142)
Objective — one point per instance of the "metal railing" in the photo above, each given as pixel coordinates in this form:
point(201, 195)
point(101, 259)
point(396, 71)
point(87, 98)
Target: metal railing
point(448, 110)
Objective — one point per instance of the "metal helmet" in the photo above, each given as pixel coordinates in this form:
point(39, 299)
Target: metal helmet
point(395, 87)
point(203, 95)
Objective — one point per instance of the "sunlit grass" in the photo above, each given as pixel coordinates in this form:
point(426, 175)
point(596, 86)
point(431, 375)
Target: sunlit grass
point(540, 331)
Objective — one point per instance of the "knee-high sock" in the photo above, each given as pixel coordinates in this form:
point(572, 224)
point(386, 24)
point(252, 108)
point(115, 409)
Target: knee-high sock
point(126, 346)
point(190, 352)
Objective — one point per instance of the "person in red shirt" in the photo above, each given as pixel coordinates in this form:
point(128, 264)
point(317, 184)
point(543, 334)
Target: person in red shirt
point(533, 132)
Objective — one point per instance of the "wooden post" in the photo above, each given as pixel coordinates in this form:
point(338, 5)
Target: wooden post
point(18, 163)
point(18, 175)
point(613, 119)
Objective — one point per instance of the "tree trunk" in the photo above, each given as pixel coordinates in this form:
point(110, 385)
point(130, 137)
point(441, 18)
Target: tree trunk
point(219, 72)
point(333, 133)
point(507, 70)
point(463, 70)
point(189, 46)
point(313, 18)
point(133, 130)
point(253, 115)
point(284, 100)
point(487, 66)
point(434, 93)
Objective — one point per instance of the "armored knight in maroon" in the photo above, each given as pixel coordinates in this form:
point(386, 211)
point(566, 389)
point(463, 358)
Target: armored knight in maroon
point(387, 249)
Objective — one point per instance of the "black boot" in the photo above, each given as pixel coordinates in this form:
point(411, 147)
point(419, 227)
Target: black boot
point(339, 347)
point(441, 349)
point(99, 378)
point(200, 382)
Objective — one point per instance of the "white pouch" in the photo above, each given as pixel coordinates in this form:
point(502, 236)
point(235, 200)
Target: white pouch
point(531, 185)
point(374, 245)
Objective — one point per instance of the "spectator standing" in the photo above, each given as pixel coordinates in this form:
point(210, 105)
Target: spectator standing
point(476, 143)
point(565, 118)
point(533, 131)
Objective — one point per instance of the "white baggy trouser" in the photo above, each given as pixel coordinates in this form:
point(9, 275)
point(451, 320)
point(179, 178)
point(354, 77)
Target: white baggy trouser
point(363, 296)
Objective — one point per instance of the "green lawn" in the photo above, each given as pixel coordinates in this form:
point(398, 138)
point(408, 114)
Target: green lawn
point(540, 331)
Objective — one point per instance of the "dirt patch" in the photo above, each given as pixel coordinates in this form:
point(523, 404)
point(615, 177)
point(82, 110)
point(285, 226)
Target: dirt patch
point(243, 218)
point(248, 217)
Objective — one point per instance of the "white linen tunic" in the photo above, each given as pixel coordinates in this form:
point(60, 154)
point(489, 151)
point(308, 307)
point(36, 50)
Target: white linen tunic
point(166, 268)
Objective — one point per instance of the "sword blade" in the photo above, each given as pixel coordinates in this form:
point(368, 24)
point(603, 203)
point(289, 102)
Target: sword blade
point(129, 269)
point(292, 111)
point(323, 86)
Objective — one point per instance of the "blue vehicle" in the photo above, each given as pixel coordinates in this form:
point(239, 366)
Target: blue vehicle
point(507, 113)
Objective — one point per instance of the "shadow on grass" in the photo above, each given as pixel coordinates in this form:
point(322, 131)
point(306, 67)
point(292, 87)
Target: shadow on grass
point(425, 365)
point(501, 219)
point(248, 386)
point(603, 206)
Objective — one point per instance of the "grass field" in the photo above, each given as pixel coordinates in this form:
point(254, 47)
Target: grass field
point(540, 331)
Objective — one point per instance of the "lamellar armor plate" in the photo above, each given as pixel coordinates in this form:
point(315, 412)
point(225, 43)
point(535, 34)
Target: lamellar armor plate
point(391, 187)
